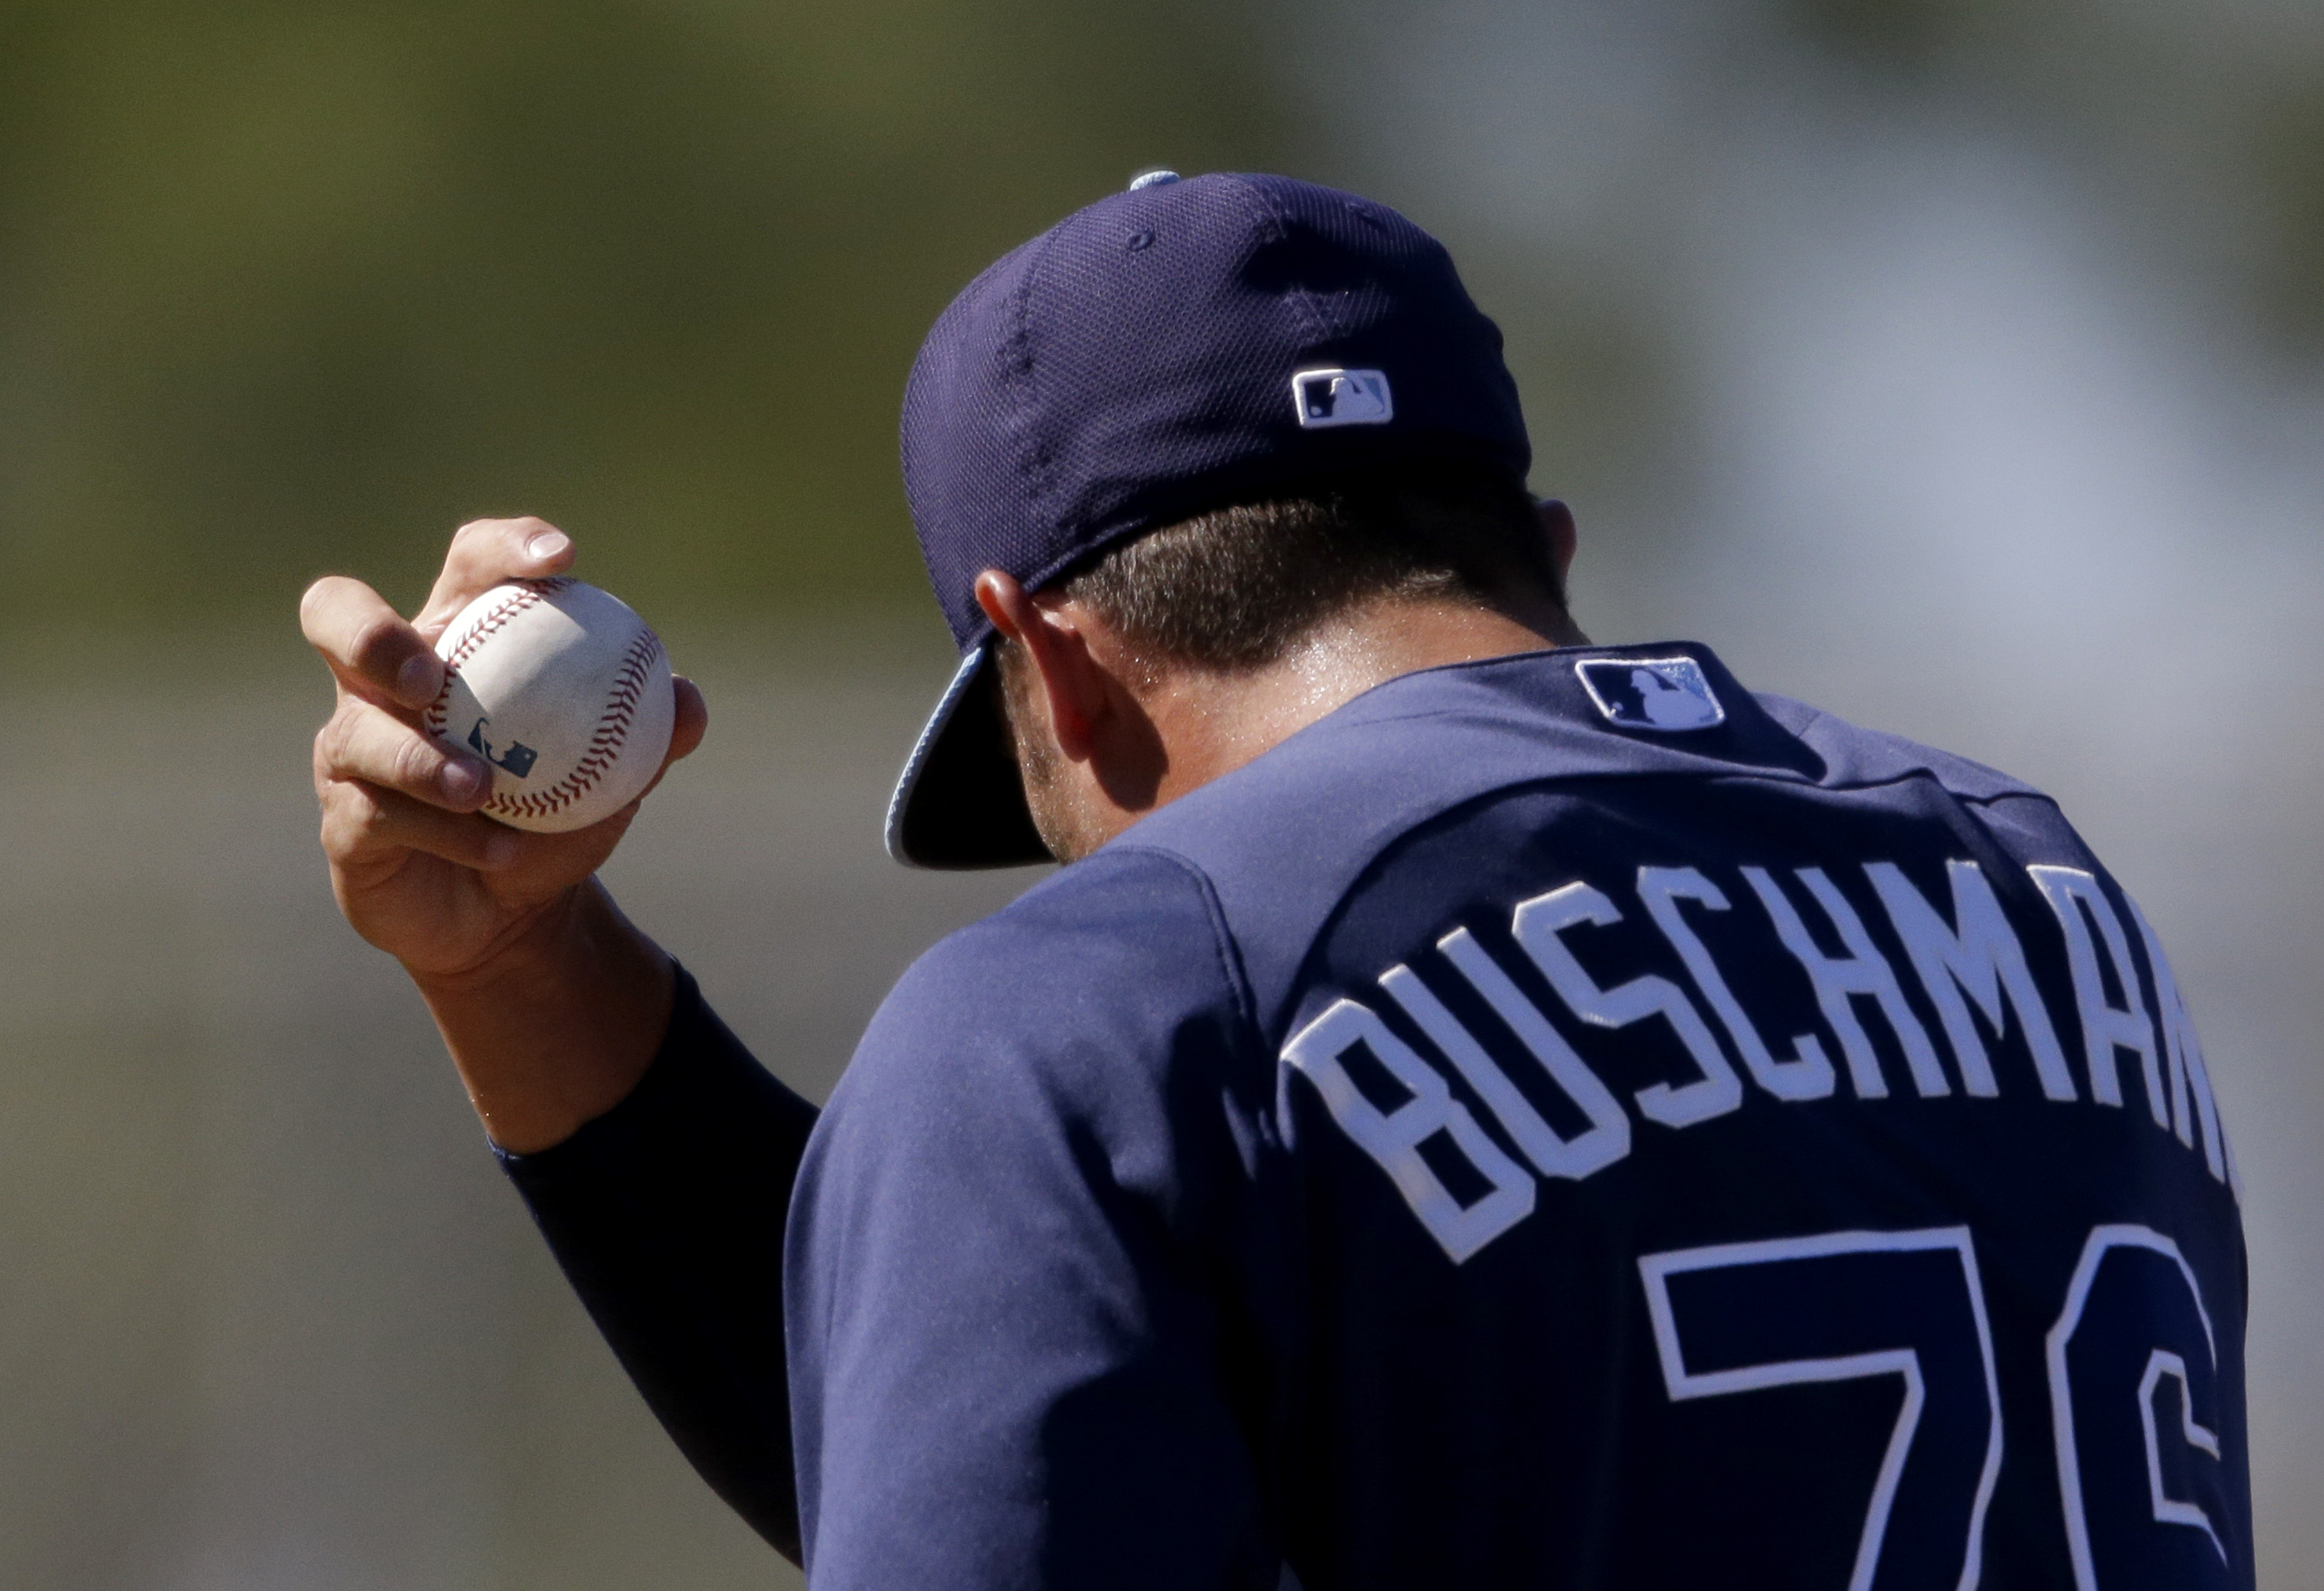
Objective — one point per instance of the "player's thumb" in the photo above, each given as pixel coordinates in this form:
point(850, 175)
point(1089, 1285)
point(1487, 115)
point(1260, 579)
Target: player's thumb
point(692, 722)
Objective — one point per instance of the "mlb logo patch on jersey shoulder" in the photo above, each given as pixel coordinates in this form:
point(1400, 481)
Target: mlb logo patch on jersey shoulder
point(1670, 694)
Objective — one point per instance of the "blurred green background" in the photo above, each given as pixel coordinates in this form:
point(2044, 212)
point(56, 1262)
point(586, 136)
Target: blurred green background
point(290, 288)
point(297, 288)
point(1957, 365)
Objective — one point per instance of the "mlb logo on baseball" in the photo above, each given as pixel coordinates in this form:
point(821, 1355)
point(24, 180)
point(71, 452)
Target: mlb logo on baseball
point(1670, 694)
point(1331, 397)
point(517, 757)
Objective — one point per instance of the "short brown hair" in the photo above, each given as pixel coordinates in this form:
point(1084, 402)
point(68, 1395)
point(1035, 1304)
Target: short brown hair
point(1237, 587)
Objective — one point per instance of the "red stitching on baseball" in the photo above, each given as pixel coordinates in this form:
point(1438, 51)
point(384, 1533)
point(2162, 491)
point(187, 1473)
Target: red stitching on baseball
point(604, 744)
point(496, 618)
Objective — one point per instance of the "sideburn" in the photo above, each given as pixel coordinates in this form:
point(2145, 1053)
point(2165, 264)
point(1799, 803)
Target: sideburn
point(1038, 761)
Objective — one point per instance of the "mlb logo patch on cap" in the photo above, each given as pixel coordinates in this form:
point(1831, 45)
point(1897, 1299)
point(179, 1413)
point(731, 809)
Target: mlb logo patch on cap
point(1333, 396)
point(1670, 694)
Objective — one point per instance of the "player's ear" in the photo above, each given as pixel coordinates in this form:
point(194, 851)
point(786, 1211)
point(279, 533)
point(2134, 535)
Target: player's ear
point(1072, 686)
point(1557, 526)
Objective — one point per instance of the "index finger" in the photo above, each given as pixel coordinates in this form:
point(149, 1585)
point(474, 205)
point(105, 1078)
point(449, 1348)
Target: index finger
point(485, 553)
point(367, 645)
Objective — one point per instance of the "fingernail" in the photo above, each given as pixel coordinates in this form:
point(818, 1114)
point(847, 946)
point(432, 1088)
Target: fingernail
point(502, 849)
point(463, 781)
point(548, 544)
point(415, 682)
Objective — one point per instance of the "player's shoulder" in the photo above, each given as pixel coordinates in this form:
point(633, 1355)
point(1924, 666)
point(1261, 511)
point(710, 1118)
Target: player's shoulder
point(1126, 910)
point(1105, 978)
point(2024, 821)
point(1853, 756)
point(1091, 1040)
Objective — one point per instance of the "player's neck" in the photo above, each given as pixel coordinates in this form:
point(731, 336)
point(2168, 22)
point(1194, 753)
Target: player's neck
point(1211, 724)
point(1189, 726)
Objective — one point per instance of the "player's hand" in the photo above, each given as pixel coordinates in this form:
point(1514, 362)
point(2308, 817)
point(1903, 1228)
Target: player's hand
point(419, 871)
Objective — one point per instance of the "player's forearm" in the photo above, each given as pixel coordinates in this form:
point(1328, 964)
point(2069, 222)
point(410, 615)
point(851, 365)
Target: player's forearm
point(666, 1213)
point(556, 1029)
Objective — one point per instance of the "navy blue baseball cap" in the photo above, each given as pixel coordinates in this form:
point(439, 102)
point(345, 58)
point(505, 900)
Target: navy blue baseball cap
point(1170, 350)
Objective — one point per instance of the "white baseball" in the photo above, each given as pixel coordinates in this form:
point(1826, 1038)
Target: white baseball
point(565, 692)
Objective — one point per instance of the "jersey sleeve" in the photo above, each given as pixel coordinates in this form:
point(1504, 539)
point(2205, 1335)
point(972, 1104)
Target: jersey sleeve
point(1012, 1361)
point(666, 1214)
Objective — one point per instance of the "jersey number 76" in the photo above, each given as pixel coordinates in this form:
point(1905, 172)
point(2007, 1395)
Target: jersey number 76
point(2139, 1474)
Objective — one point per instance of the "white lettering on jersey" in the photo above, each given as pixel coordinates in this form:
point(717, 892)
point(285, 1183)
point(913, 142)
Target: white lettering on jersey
point(1977, 953)
point(1808, 1074)
point(1608, 1138)
point(1975, 959)
point(1393, 1138)
point(1535, 1139)
point(1840, 980)
point(2189, 1074)
point(2078, 901)
point(1538, 924)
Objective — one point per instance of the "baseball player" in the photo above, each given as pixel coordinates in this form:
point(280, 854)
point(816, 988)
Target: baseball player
point(1477, 1109)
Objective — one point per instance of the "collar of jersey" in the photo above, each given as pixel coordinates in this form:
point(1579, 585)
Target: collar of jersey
point(1282, 838)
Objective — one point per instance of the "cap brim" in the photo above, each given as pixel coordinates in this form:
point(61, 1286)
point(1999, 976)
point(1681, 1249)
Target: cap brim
point(960, 802)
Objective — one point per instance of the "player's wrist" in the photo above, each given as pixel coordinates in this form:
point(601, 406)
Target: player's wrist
point(551, 945)
point(558, 1025)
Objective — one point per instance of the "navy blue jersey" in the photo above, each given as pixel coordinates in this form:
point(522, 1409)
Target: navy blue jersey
point(1559, 1121)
